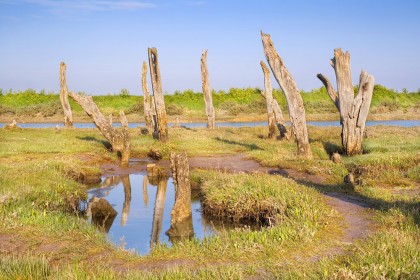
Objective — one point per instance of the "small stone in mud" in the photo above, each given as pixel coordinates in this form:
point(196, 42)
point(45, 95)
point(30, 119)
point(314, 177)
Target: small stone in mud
point(154, 154)
point(336, 158)
point(349, 180)
point(100, 208)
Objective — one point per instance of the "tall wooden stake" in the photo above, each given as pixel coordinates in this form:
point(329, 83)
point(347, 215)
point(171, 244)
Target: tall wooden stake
point(268, 95)
point(162, 123)
point(64, 97)
point(208, 99)
point(148, 115)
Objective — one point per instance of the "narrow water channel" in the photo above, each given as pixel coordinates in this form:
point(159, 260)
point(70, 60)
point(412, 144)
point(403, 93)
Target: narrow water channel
point(399, 123)
point(144, 208)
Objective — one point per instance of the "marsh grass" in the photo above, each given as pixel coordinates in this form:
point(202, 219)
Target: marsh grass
point(242, 103)
point(36, 187)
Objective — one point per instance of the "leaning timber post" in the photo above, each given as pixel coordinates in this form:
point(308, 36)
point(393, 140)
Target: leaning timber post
point(162, 122)
point(64, 97)
point(268, 95)
point(181, 215)
point(292, 94)
point(118, 138)
point(146, 100)
point(208, 99)
point(158, 212)
point(127, 199)
point(353, 110)
point(281, 123)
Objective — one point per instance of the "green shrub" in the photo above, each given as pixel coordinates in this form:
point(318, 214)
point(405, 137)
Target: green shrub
point(137, 108)
point(124, 92)
point(174, 109)
point(46, 110)
point(6, 110)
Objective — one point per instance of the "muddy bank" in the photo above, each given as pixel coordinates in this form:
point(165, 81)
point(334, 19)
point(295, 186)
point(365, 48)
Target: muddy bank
point(398, 115)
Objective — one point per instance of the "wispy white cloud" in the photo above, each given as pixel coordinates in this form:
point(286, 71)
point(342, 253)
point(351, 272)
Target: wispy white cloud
point(86, 5)
point(10, 18)
point(194, 3)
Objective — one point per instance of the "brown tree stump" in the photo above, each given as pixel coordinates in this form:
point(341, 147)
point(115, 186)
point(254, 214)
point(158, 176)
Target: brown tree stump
point(11, 125)
point(208, 99)
point(353, 109)
point(181, 215)
point(64, 97)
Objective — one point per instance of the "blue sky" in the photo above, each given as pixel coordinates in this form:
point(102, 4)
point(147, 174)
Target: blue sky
point(105, 42)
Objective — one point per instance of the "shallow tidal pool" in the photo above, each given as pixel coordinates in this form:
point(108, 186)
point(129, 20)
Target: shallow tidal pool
point(144, 207)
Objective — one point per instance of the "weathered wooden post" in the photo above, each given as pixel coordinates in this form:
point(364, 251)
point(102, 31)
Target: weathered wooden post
point(353, 110)
point(294, 100)
point(64, 97)
point(272, 106)
point(181, 215)
point(118, 138)
point(268, 96)
point(208, 99)
point(162, 123)
point(148, 116)
point(154, 119)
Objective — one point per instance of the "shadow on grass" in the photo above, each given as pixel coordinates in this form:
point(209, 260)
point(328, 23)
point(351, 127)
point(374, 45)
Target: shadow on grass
point(331, 148)
point(249, 146)
point(93, 139)
point(188, 128)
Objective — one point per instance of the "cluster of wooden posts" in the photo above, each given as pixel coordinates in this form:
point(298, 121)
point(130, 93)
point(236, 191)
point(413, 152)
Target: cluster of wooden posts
point(353, 109)
point(353, 113)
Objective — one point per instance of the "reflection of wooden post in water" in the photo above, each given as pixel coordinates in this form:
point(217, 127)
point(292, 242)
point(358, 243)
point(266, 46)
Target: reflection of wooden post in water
point(127, 198)
point(181, 215)
point(145, 194)
point(158, 212)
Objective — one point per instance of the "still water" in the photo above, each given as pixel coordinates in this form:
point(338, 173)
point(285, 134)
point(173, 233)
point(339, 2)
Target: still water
point(144, 206)
point(400, 123)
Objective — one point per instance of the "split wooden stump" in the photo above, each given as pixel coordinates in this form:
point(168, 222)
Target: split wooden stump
point(181, 215)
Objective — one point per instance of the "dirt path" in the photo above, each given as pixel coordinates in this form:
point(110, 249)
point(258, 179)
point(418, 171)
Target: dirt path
point(357, 223)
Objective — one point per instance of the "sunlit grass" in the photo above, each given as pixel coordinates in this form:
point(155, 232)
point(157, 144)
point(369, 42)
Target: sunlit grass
point(37, 186)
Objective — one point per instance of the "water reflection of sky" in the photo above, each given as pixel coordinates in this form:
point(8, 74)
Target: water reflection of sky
point(139, 220)
point(401, 123)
